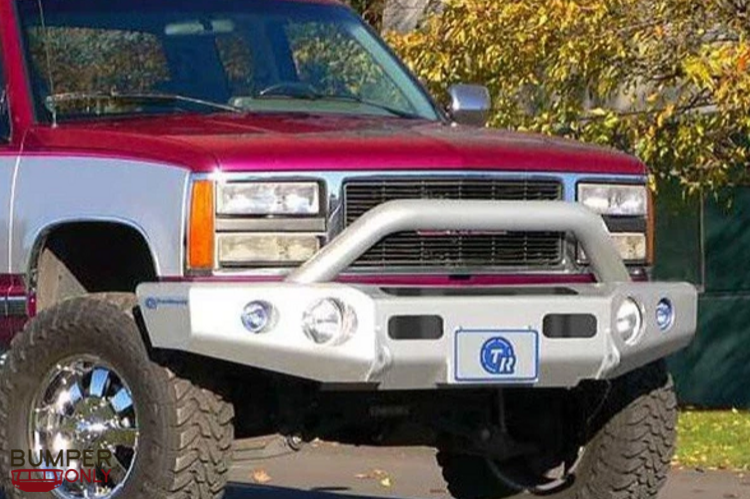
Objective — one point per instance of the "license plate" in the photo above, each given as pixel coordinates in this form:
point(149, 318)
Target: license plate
point(496, 356)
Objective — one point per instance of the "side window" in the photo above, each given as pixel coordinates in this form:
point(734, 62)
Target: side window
point(86, 60)
point(334, 63)
point(5, 122)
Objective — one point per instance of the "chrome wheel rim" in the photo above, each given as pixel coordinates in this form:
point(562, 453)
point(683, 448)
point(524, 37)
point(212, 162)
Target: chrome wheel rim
point(84, 404)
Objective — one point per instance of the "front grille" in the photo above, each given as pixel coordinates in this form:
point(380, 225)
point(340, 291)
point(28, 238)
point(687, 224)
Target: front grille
point(452, 250)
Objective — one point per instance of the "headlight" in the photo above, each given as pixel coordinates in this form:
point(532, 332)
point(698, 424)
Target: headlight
point(244, 249)
point(617, 200)
point(268, 198)
point(632, 247)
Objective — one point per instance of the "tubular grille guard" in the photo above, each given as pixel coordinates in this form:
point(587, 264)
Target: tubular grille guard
point(442, 215)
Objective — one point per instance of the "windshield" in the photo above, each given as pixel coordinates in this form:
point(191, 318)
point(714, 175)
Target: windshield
point(96, 58)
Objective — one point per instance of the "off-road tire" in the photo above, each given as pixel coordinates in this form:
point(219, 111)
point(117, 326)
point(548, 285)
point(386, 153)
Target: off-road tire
point(470, 477)
point(627, 456)
point(186, 428)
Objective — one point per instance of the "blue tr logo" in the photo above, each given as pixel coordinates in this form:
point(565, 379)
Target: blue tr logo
point(498, 357)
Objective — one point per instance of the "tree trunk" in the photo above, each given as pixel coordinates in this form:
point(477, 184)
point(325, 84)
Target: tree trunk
point(404, 15)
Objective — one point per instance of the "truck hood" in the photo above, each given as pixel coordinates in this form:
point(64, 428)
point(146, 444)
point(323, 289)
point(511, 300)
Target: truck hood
point(302, 142)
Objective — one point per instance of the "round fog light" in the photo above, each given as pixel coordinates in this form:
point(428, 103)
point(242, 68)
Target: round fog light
point(257, 316)
point(629, 321)
point(665, 314)
point(329, 321)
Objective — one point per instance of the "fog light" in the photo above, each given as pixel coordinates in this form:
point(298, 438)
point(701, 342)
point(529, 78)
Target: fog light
point(329, 322)
point(257, 316)
point(629, 321)
point(665, 314)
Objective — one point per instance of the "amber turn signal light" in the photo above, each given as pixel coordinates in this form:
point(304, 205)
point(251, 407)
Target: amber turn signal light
point(201, 226)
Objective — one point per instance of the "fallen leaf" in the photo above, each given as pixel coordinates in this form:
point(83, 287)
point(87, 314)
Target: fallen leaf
point(386, 482)
point(375, 474)
point(260, 477)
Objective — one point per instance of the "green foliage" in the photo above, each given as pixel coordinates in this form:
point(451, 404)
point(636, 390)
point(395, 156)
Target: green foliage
point(668, 80)
point(714, 440)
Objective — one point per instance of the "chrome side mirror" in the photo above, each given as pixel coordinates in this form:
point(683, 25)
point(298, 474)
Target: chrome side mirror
point(470, 104)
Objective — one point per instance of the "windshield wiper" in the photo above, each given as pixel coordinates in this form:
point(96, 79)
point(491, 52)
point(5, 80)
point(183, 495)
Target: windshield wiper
point(306, 92)
point(52, 101)
point(355, 98)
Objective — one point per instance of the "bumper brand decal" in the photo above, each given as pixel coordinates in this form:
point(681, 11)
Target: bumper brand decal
point(154, 303)
point(498, 357)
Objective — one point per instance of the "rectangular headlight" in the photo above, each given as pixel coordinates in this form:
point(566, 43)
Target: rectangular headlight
point(611, 199)
point(244, 249)
point(268, 198)
point(632, 247)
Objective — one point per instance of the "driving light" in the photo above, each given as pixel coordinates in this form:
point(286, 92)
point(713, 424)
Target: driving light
point(243, 249)
point(618, 200)
point(665, 314)
point(257, 316)
point(629, 321)
point(268, 198)
point(329, 322)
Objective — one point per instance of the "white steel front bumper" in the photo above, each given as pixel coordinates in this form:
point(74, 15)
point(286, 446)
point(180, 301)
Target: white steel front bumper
point(205, 319)
point(492, 336)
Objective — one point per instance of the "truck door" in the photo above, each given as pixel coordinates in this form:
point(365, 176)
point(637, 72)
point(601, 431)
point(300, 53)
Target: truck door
point(8, 162)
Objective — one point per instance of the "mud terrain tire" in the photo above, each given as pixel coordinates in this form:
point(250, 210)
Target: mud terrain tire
point(627, 457)
point(185, 427)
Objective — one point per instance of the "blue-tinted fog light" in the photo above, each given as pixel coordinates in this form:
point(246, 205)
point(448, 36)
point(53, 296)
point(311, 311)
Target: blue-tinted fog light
point(257, 316)
point(665, 314)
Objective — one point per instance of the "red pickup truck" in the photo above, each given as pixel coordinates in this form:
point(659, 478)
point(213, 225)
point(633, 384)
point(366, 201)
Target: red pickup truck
point(229, 219)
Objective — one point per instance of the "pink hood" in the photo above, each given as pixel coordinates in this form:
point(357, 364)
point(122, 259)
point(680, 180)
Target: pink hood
point(300, 142)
